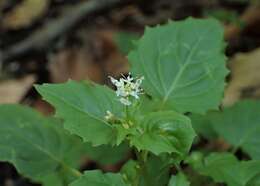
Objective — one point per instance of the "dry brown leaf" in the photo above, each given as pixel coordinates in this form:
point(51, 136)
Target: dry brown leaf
point(43, 107)
point(76, 64)
point(245, 77)
point(219, 145)
point(114, 63)
point(95, 60)
point(12, 91)
point(250, 17)
point(24, 14)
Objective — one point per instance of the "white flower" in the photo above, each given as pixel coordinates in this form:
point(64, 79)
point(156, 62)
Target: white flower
point(127, 87)
point(125, 101)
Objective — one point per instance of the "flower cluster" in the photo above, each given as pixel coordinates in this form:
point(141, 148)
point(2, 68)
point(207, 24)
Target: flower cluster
point(127, 87)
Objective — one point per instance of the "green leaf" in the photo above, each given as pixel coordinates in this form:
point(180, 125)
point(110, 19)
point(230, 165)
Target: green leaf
point(179, 180)
point(195, 159)
point(155, 172)
point(202, 124)
point(38, 147)
point(225, 168)
point(239, 125)
point(183, 64)
point(106, 154)
point(124, 41)
point(83, 106)
point(97, 178)
point(130, 172)
point(148, 105)
point(52, 179)
point(164, 131)
point(255, 181)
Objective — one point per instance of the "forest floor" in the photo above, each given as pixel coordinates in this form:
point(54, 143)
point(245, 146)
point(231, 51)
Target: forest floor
point(51, 41)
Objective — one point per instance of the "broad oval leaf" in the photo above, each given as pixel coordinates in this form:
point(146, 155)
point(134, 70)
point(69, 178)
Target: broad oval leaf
point(255, 181)
point(164, 132)
point(125, 41)
point(183, 64)
point(157, 171)
point(97, 178)
point(225, 168)
point(130, 172)
point(38, 147)
point(179, 180)
point(83, 106)
point(202, 124)
point(112, 156)
point(239, 125)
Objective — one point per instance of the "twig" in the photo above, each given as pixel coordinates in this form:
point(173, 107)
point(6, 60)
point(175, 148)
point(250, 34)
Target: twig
point(41, 38)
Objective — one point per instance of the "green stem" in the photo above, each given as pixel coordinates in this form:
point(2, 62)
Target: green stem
point(138, 177)
point(127, 112)
point(145, 155)
point(141, 158)
point(178, 167)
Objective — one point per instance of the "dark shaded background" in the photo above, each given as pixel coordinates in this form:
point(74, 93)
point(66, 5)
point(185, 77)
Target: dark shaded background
point(54, 40)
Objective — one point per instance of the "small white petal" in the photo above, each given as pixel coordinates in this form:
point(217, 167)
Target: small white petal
point(125, 101)
point(114, 81)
